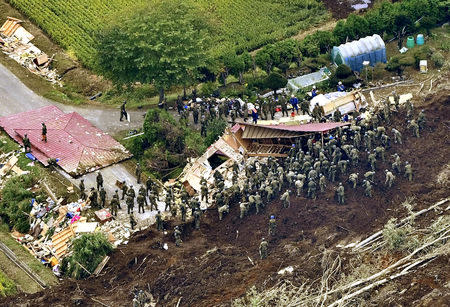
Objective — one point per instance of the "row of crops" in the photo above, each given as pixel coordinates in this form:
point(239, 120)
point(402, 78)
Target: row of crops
point(239, 24)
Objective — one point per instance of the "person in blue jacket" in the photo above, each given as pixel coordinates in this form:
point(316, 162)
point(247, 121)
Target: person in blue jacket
point(255, 116)
point(294, 102)
point(340, 87)
point(314, 91)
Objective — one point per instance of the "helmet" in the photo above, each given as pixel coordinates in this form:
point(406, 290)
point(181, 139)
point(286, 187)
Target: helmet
point(340, 83)
point(272, 217)
point(314, 87)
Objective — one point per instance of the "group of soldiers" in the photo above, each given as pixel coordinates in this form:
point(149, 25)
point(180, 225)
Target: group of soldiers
point(313, 168)
point(208, 109)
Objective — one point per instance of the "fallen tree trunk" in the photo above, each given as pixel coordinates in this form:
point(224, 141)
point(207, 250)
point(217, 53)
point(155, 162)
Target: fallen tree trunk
point(376, 235)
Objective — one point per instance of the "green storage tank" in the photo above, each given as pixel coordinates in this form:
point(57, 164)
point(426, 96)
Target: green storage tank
point(410, 42)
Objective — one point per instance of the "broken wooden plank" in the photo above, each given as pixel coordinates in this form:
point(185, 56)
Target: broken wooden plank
point(101, 265)
point(8, 166)
point(50, 193)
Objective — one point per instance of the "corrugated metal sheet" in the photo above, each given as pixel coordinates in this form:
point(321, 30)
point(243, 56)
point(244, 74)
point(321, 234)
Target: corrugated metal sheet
point(79, 146)
point(264, 131)
point(261, 132)
point(10, 26)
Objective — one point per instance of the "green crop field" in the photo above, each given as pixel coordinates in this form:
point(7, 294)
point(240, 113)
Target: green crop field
point(237, 24)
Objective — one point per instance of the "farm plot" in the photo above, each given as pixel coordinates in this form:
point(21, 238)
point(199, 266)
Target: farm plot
point(237, 24)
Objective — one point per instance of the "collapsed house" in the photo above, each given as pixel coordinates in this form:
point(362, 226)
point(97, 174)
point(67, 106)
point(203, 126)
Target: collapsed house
point(244, 142)
point(15, 42)
point(73, 142)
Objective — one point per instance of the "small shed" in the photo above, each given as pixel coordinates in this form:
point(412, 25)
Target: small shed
point(353, 54)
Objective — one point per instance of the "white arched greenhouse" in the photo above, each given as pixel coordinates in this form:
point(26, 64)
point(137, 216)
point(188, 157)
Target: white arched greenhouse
point(370, 48)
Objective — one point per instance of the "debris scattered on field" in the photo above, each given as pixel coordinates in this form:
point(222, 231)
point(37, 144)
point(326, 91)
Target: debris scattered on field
point(16, 44)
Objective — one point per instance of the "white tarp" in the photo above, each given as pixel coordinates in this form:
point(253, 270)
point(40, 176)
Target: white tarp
point(325, 99)
point(309, 79)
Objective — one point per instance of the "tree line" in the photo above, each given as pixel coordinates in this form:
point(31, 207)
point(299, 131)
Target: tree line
point(170, 46)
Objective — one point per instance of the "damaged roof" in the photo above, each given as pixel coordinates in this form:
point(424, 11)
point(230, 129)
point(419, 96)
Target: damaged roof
point(252, 131)
point(79, 146)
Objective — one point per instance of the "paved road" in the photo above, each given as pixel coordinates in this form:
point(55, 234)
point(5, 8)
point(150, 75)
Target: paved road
point(15, 97)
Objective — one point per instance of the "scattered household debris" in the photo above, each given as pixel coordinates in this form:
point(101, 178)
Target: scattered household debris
point(287, 270)
point(15, 42)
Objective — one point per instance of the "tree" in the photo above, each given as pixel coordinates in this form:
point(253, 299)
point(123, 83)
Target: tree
point(264, 60)
point(274, 81)
point(215, 129)
point(357, 26)
point(88, 252)
point(288, 51)
point(236, 65)
point(427, 23)
point(401, 24)
point(340, 32)
point(163, 45)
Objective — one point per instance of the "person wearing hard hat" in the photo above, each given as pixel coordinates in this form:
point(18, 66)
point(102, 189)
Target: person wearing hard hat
point(294, 102)
point(340, 87)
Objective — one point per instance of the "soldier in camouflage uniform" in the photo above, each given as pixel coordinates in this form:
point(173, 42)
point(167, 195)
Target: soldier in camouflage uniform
point(389, 179)
point(340, 192)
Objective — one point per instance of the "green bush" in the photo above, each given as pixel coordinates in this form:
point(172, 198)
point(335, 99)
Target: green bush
point(275, 81)
point(343, 71)
point(215, 129)
point(438, 59)
point(379, 71)
point(399, 238)
point(314, 64)
point(15, 202)
point(7, 286)
point(421, 53)
point(88, 250)
point(208, 89)
point(257, 83)
point(344, 74)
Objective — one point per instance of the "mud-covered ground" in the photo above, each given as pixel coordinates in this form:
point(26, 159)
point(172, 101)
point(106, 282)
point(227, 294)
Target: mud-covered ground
point(219, 262)
point(342, 8)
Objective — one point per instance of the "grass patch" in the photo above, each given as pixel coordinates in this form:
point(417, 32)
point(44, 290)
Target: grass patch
point(15, 273)
point(7, 144)
point(7, 286)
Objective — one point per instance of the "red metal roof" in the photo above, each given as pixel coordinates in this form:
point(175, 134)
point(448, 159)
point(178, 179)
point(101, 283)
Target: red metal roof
point(79, 146)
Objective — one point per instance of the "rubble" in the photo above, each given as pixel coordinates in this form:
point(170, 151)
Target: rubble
point(15, 42)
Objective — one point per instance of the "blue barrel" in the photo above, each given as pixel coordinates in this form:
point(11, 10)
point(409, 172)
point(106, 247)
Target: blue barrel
point(420, 40)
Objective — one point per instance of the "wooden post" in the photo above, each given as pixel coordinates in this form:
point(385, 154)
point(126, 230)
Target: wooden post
point(322, 138)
